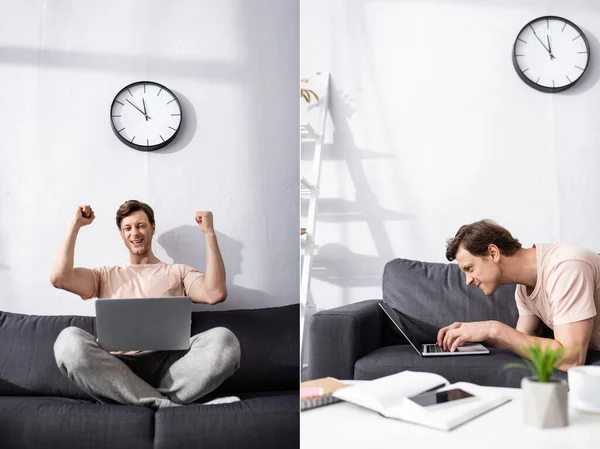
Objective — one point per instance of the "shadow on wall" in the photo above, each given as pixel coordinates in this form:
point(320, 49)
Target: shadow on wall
point(186, 244)
point(333, 262)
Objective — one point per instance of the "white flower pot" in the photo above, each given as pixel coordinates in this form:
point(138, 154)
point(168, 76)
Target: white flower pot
point(546, 404)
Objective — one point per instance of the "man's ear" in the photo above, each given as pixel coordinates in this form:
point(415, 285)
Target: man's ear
point(494, 252)
point(153, 228)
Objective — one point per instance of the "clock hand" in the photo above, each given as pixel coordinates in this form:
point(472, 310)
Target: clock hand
point(134, 106)
point(539, 40)
point(549, 47)
point(145, 113)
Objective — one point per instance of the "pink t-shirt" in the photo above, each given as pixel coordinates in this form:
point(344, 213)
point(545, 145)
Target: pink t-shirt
point(143, 281)
point(567, 288)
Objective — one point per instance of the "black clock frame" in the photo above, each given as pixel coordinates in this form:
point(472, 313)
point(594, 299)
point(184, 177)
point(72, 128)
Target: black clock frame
point(135, 145)
point(545, 89)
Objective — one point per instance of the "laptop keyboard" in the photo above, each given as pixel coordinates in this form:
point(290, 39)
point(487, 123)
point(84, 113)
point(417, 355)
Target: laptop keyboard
point(434, 348)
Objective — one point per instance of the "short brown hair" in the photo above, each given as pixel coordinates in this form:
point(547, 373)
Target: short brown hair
point(477, 237)
point(131, 206)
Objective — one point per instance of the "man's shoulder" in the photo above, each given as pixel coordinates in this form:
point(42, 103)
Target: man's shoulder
point(558, 253)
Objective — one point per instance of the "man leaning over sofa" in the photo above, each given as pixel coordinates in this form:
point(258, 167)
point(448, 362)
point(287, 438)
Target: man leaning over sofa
point(557, 284)
point(152, 378)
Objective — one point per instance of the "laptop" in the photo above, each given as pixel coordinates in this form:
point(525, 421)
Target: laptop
point(430, 349)
point(144, 324)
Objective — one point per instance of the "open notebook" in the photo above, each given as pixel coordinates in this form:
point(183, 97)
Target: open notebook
point(388, 396)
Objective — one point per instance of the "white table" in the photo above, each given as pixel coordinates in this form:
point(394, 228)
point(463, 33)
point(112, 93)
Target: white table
point(347, 426)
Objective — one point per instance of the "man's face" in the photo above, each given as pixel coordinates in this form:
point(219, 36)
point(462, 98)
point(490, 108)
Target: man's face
point(481, 272)
point(137, 232)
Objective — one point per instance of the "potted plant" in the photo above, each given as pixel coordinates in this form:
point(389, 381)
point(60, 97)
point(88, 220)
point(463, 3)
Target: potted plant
point(545, 398)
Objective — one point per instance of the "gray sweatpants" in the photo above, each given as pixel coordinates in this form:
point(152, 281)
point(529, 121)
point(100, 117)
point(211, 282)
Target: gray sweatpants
point(153, 378)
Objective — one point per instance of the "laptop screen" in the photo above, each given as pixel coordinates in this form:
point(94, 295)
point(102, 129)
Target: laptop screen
point(403, 324)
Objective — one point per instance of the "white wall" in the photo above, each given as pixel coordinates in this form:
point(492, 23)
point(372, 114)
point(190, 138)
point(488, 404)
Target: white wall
point(432, 129)
point(234, 66)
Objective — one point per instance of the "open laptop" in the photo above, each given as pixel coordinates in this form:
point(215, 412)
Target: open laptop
point(144, 324)
point(430, 349)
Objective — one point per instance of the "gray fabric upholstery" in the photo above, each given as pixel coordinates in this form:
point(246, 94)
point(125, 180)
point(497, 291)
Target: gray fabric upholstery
point(39, 407)
point(436, 293)
point(339, 337)
point(486, 370)
point(258, 423)
point(59, 423)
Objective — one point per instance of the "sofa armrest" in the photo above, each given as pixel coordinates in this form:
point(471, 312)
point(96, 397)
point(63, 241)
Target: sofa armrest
point(339, 337)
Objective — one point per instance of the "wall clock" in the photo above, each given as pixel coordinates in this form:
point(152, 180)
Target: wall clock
point(146, 116)
point(551, 54)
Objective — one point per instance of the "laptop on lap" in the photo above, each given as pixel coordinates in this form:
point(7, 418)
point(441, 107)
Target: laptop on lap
point(144, 324)
point(429, 349)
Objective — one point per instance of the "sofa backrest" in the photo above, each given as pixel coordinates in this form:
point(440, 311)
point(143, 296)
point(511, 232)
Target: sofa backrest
point(269, 340)
point(434, 295)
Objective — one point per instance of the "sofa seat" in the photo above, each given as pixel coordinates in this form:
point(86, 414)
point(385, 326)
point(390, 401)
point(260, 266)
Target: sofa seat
point(485, 370)
point(54, 422)
point(256, 422)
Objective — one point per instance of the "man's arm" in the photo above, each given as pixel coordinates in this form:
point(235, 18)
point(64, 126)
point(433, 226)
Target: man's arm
point(573, 337)
point(64, 276)
point(211, 288)
point(529, 325)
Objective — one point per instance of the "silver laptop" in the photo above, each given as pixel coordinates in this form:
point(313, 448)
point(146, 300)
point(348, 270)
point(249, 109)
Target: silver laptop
point(148, 324)
point(430, 349)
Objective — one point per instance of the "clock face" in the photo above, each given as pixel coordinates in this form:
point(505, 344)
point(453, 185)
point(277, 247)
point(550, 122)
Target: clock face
point(146, 116)
point(551, 54)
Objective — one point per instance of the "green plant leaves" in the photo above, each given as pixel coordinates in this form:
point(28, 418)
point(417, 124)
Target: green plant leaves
point(543, 361)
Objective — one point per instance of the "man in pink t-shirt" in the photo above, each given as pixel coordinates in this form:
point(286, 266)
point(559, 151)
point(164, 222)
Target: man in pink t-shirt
point(557, 284)
point(154, 378)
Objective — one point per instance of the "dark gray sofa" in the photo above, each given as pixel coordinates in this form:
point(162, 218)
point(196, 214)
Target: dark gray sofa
point(41, 408)
point(358, 341)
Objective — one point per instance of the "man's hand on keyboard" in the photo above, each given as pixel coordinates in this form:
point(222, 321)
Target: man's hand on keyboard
point(457, 334)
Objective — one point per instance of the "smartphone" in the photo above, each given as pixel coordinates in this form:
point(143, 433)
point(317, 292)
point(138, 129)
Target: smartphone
point(440, 397)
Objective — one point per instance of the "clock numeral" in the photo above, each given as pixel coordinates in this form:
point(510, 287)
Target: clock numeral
point(172, 128)
point(144, 88)
point(563, 27)
point(115, 116)
point(519, 55)
point(129, 92)
point(122, 104)
point(537, 82)
point(522, 40)
point(147, 144)
point(171, 101)
point(159, 92)
point(553, 83)
point(581, 52)
point(578, 67)
point(525, 69)
point(569, 79)
point(121, 130)
point(162, 137)
point(132, 139)
point(175, 114)
point(579, 35)
point(547, 24)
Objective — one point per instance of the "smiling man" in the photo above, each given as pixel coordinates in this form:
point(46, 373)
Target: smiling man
point(154, 378)
point(557, 284)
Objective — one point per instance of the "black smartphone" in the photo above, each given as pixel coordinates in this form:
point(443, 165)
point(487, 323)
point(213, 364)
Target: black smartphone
point(440, 397)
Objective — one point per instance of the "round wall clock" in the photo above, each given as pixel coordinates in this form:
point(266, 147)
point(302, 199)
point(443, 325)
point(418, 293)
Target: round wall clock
point(146, 116)
point(551, 54)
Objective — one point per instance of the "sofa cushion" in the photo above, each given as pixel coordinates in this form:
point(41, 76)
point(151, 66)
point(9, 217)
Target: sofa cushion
point(269, 340)
point(436, 293)
point(266, 422)
point(58, 423)
point(479, 369)
point(27, 364)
